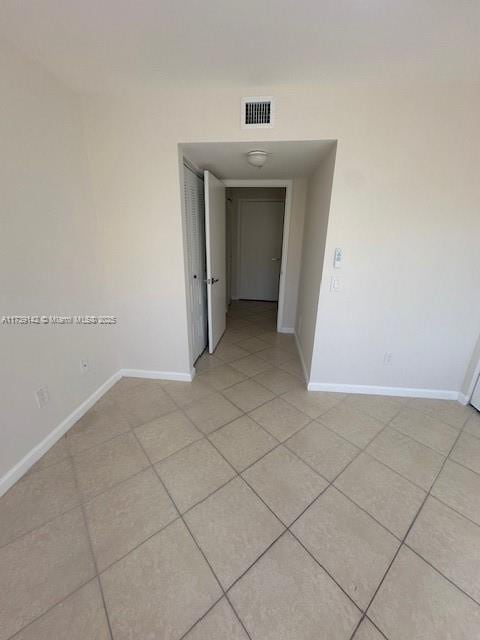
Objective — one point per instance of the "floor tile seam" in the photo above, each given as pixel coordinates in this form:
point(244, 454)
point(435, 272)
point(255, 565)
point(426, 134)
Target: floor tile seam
point(84, 500)
point(410, 527)
point(440, 573)
point(357, 454)
point(92, 553)
point(81, 498)
point(415, 441)
point(39, 526)
point(307, 550)
point(458, 513)
point(181, 516)
point(460, 464)
point(344, 438)
point(415, 484)
point(229, 422)
point(202, 617)
point(375, 626)
point(44, 613)
point(104, 570)
point(366, 512)
point(433, 417)
point(407, 435)
point(76, 454)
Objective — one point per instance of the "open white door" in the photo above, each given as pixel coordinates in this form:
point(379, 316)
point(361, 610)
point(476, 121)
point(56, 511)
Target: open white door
point(215, 231)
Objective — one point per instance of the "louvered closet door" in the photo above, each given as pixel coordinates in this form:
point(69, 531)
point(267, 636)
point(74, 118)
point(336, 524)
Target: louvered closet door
point(195, 218)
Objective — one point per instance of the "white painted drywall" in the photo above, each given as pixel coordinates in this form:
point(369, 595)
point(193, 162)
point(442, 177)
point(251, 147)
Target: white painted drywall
point(317, 208)
point(404, 209)
point(473, 371)
point(50, 259)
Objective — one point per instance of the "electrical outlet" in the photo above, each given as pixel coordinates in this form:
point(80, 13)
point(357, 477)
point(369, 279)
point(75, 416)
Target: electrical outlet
point(42, 397)
point(83, 365)
point(387, 358)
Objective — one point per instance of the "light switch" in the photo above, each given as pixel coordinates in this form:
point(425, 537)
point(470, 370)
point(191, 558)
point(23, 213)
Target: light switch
point(337, 258)
point(335, 284)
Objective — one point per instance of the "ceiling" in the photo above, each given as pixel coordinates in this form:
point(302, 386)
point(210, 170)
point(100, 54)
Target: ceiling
point(112, 45)
point(227, 160)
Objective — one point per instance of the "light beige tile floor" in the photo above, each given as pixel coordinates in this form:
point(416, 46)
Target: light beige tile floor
point(241, 506)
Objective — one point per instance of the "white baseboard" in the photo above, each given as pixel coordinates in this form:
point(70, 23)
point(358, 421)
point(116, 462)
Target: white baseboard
point(40, 449)
point(286, 329)
point(302, 360)
point(16, 472)
point(158, 375)
point(406, 392)
point(463, 398)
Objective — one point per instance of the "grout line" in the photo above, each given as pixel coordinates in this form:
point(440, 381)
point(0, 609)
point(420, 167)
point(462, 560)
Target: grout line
point(463, 466)
point(195, 541)
point(202, 617)
point(448, 506)
point(152, 535)
point(44, 613)
point(407, 533)
point(413, 550)
point(374, 625)
point(82, 503)
point(90, 544)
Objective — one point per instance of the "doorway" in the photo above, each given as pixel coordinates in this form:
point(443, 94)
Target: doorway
point(194, 202)
point(255, 219)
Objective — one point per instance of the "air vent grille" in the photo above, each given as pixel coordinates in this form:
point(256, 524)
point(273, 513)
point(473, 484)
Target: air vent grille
point(257, 113)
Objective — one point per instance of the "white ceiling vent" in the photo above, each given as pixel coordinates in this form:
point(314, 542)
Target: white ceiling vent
point(257, 112)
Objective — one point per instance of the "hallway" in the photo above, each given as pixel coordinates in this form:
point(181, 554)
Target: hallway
point(242, 506)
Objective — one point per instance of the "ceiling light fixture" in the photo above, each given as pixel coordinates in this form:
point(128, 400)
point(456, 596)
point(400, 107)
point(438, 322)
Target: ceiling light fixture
point(257, 158)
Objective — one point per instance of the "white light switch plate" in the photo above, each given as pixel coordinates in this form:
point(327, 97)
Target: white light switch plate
point(335, 284)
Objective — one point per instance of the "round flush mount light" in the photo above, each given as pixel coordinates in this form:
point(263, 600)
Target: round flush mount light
point(257, 158)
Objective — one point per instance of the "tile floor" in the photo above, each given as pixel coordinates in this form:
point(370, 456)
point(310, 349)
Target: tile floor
point(241, 506)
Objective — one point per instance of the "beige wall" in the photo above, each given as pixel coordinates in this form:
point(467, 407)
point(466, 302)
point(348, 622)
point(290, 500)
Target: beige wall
point(50, 259)
point(404, 209)
point(473, 370)
point(317, 208)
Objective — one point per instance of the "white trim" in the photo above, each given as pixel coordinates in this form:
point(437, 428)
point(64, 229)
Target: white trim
point(302, 360)
point(17, 471)
point(472, 385)
point(286, 329)
point(463, 398)
point(288, 185)
point(256, 183)
point(158, 375)
point(406, 392)
point(21, 468)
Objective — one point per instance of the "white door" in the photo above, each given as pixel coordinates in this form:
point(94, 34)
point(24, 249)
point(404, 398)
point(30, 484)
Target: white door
point(260, 250)
point(475, 401)
point(195, 226)
point(215, 231)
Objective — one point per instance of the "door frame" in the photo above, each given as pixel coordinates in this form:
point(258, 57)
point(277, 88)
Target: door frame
point(183, 162)
point(465, 398)
point(288, 185)
point(239, 238)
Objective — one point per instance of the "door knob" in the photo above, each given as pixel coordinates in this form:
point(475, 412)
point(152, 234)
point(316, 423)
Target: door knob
point(275, 259)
